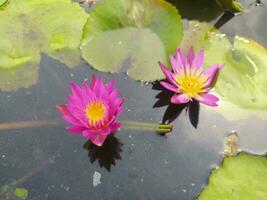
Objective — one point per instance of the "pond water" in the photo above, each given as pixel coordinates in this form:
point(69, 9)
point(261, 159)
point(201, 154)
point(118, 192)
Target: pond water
point(134, 163)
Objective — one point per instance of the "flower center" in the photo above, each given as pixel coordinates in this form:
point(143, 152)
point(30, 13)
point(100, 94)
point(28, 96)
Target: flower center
point(191, 84)
point(95, 111)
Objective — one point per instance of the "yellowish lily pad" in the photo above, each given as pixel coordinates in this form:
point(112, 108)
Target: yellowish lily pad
point(131, 36)
point(30, 27)
point(242, 84)
point(243, 177)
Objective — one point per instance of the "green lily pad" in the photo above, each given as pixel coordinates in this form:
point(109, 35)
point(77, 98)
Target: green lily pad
point(133, 35)
point(21, 193)
point(241, 85)
point(30, 27)
point(3, 3)
point(243, 177)
point(23, 77)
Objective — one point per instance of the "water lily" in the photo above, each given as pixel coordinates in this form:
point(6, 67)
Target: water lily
point(93, 110)
point(189, 80)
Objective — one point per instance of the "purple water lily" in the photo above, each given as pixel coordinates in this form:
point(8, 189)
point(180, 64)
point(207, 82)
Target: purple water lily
point(93, 110)
point(188, 80)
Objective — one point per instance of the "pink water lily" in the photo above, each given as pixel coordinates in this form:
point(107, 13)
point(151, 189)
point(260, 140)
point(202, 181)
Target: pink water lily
point(189, 80)
point(93, 110)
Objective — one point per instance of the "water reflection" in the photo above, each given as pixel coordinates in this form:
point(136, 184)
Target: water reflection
point(107, 154)
point(174, 110)
point(205, 10)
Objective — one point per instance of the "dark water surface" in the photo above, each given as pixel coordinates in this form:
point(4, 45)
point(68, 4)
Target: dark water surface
point(56, 165)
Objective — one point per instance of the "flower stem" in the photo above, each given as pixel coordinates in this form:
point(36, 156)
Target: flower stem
point(159, 128)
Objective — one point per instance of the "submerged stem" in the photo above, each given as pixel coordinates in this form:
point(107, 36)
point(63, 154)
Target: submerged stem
point(135, 125)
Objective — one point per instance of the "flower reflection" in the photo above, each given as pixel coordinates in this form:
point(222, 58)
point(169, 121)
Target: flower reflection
point(107, 154)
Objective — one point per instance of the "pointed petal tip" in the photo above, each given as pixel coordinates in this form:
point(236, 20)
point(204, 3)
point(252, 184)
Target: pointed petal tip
point(99, 140)
point(208, 99)
point(62, 108)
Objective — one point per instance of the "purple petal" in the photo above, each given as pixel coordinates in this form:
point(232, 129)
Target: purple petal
point(190, 56)
point(168, 74)
point(76, 129)
point(208, 99)
point(198, 60)
point(99, 139)
point(180, 58)
point(110, 86)
point(174, 64)
point(76, 90)
point(179, 99)
point(66, 115)
point(92, 83)
point(170, 87)
point(211, 73)
point(89, 134)
point(115, 126)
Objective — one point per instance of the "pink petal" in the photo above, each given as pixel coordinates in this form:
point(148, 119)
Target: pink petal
point(92, 83)
point(76, 129)
point(174, 64)
point(66, 115)
point(63, 109)
point(198, 60)
point(179, 99)
point(99, 139)
point(180, 58)
point(99, 87)
point(74, 100)
point(76, 90)
point(208, 99)
point(211, 73)
point(89, 134)
point(110, 86)
point(190, 56)
point(115, 126)
point(168, 74)
point(170, 87)
point(114, 94)
point(84, 91)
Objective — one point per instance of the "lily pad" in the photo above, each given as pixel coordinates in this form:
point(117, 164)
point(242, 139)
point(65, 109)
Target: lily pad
point(30, 27)
point(3, 3)
point(243, 177)
point(241, 85)
point(23, 77)
point(133, 35)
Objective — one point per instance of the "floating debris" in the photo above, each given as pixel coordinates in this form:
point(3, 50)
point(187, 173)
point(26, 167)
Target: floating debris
point(231, 144)
point(96, 179)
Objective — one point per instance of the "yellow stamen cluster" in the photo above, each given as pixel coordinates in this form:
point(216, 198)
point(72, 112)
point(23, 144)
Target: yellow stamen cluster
point(191, 83)
point(95, 112)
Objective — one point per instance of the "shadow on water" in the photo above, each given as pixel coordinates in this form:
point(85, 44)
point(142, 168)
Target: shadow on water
point(107, 154)
point(173, 111)
point(204, 10)
point(227, 16)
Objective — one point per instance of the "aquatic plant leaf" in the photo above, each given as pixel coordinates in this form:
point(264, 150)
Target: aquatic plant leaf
point(21, 193)
point(231, 5)
point(23, 77)
point(133, 35)
point(30, 27)
point(241, 85)
point(3, 3)
point(243, 177)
